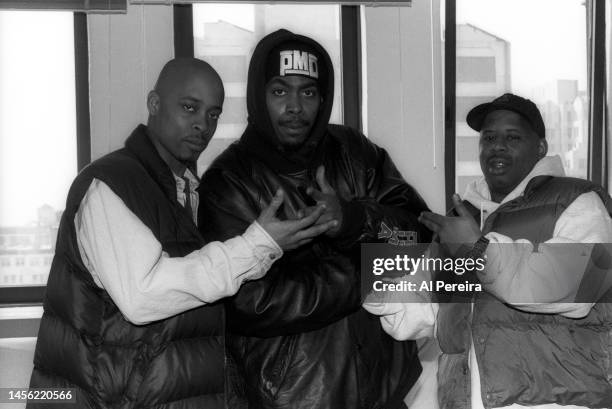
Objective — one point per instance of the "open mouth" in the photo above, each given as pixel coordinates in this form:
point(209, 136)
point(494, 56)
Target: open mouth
point(498, 166)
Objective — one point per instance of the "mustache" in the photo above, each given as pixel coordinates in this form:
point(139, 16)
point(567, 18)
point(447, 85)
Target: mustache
point(294, 121)
point(499, 156)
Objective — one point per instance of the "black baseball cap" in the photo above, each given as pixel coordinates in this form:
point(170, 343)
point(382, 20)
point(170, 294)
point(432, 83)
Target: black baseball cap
point(522, 106)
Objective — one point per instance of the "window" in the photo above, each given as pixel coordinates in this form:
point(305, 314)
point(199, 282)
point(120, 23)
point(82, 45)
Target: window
point(38, 138)
point(225, 36)
point(608, 74)
point(514, 46)
point(476, 69)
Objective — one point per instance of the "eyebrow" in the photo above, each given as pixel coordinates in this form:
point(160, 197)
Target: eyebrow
point(281, 81)
point(483, 129)
point(199, 101)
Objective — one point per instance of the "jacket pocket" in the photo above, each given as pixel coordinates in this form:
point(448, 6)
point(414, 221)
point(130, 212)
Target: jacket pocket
point(276, 369)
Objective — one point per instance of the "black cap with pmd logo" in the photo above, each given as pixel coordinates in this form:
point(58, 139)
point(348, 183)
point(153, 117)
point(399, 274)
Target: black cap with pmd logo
point(296, 58)
point(522, 106)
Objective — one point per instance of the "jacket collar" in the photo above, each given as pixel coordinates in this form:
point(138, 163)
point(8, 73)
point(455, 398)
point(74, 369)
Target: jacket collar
point(139, 145)
point(478, 194)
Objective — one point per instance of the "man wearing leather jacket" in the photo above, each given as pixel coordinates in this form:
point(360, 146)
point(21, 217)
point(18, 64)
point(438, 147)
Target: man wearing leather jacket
point(298, 338)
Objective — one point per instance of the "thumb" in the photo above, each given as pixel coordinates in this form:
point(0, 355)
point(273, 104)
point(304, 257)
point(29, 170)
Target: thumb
point(462, 211)
point(270, 211)
point(322, 181)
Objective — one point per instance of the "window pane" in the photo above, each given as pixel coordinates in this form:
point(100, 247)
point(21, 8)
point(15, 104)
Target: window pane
point(608, 130)
point(225, 36)
point(37, 139)
point(515, 46)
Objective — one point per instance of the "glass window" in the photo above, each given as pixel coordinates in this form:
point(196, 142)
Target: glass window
point(37, 138)
point(608, 130)
point(515, 46)
point(225, 36)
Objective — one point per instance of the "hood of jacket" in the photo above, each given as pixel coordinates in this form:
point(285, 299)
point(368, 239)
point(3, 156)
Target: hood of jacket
point(479, 195)
point(260, 137)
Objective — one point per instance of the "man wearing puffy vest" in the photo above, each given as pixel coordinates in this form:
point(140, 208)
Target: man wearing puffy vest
point(130, 314)
point(538, 335)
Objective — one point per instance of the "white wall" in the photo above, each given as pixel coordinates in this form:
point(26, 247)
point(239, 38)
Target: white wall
point(404, 91)
point(126, 53)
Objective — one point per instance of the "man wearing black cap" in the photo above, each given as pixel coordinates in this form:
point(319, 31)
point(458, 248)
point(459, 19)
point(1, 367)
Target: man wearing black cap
point(298, 338)
point(538, 336)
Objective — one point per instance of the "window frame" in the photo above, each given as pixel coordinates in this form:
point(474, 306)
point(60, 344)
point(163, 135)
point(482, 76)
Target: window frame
point(34, 295)
point(350, 44)
point(596, 59)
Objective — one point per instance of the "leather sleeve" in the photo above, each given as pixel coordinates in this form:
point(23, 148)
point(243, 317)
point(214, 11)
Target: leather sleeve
point(307, 289)
point(388, 199)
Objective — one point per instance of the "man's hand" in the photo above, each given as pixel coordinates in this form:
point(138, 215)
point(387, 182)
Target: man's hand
point(291, 234)
point(453, 230)
point(325, 196)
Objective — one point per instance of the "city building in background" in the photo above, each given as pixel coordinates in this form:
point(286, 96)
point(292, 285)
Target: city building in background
point(565, 111)
point(26, 252)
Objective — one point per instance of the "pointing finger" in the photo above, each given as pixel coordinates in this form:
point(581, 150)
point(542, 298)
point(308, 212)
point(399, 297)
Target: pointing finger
point(275, 204)
point(310, 219)
point(317, 229)
point(322, 181)
point(315, 194)
point(431, 226)
point(432, 217)
point(460, 207)
point(432, 221)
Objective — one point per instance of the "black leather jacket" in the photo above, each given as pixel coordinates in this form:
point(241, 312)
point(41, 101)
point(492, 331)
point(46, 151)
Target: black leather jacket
point(298, 337)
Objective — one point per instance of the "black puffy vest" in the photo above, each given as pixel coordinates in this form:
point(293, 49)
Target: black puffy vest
point(84, 342)
point(527, 358)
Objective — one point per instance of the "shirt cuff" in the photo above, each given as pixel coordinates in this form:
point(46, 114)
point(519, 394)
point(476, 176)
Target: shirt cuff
point(266, 250)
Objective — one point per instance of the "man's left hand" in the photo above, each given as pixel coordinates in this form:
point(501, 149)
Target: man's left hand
point(327, 195)
point(462, 229)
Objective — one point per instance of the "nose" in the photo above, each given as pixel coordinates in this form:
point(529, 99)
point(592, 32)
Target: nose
point(294, 104)
point(499, 144)
point(201, 126)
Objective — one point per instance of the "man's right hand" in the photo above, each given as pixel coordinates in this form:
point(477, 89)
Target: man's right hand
point(291, 234)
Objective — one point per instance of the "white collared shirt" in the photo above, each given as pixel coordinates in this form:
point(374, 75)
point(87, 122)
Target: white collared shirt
point(194, 197)
point(124, 258)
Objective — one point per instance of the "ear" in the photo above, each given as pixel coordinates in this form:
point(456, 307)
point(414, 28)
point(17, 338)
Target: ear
point(153, 102)
point(542, 147)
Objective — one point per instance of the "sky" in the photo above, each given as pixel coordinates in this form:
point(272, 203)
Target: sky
point(548, 37)
point(37, 113)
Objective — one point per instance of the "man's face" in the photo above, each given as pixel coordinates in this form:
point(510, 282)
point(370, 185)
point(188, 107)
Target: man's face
point(293, 104)
point(186, 115)
point(509, 149)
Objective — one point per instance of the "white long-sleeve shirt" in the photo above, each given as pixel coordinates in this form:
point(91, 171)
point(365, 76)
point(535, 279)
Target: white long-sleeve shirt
point(124, 258)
